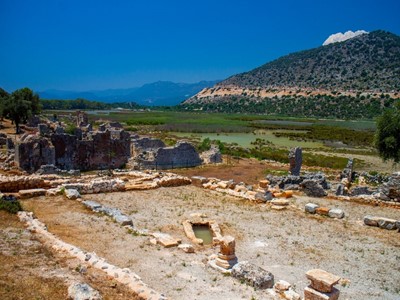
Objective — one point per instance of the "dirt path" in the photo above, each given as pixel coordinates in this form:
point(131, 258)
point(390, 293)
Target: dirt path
point(287, 243)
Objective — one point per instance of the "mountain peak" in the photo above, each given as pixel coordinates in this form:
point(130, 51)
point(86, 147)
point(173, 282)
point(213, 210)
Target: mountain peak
point(341, 37)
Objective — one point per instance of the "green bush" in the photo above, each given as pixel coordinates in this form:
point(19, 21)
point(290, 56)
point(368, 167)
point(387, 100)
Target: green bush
point(10, 206)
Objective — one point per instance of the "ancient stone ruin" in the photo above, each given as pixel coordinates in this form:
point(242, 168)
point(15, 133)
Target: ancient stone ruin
point(321, 287)
point(226, 257)
point(212, 156)
point(295, 160)
point(182, 155)
point(145, 144)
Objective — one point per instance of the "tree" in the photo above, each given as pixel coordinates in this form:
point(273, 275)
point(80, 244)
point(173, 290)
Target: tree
point(387, 136)
point(20, 105)
point(3, 98)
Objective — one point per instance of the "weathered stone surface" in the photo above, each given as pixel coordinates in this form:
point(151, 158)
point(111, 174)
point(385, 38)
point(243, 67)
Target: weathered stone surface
point(24, 194)
point(198, 180)
point(281, 286)
point(187, 248)
point(12, 184)
point(291, 295)
point(212, 156)
point(311, 208)
point(278, 207)
point(253, 275)
point(323, 211)
point(144, 144)
point(341, 190)
point(398, 225)
point(263, 196)
point(166, 240)
point(226, 257)
point(321, 280)
point(263, 183)
point(312, 188)
point(371, 220)
point(295, 160)
point(348, 171)
point(81, 119)
point(360, 190)
point(280, 202)
point(72, 194)
point(33, 151)
point(311, 294)
point(93, 205)
point(122, 219)
point(336, 213)
point(391, 189)
point(83, 291)
point(386, 223)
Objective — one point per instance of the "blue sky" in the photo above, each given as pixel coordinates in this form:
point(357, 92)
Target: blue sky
point(85, 45)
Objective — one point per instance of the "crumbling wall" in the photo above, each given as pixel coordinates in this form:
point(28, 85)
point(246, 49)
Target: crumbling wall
point(33, 151)
point(182, 155)
point(143, 144)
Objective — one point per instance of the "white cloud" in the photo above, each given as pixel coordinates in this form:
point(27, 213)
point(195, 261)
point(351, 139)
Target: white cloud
point(340, 37)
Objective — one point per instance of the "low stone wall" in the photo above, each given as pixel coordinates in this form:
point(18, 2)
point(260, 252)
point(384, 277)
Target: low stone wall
point(12, 184)
point(122, 275)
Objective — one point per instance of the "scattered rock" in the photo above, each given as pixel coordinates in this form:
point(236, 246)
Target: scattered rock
point(385, 223)
point(313, 188)
point(311, 294)
point(253, 275)
point(280, 202)
point(295, 160)
point(187, 248)
point(323, 211)
point(72, 194)
point(166, 240)
point(282, 286)
point(360, 190)
point(311, 208)
point(83, 291)
point(291, 295)
point(336, 213)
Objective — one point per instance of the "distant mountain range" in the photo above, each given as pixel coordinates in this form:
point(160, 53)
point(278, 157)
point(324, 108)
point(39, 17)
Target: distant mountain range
point(163, 93)
point(308, 82)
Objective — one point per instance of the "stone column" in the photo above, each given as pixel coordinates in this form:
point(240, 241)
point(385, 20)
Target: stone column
point(295, 160)
point(226, 257)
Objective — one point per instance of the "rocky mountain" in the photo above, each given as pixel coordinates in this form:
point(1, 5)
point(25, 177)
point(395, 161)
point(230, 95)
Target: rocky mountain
point(365, 65)
point(157, 93)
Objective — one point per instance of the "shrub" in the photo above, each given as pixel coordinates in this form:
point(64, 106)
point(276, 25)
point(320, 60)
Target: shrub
point(11, 206)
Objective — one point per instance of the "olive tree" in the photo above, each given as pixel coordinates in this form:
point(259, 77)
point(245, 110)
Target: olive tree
point(387, 136)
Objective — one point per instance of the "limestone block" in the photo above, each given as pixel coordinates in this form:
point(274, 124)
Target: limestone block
point(83, 291)
point(336, 213)
point(311, 294)
point(371, 220)
point(123, 219)
point(321, 280)
point(92, 205)
point(263, 183)
point(72, 194)
point(187, 248)
point(291, 295)
point(386, 223)
point(166, 240)
point(311, 208)
point(277, 207)
point(323, 211)
point(398, 224)
point(253, 275)
point(24, 194)
point(280, 202)
point(281, 286)
point(198, 180)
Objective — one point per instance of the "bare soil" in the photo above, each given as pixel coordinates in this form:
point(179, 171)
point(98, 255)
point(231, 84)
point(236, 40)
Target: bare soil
point(287, 243)
point(29, 270)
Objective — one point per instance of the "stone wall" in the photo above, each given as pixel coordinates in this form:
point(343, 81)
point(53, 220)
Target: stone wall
point(140, 145)
point(33, 151)
point(182, 155)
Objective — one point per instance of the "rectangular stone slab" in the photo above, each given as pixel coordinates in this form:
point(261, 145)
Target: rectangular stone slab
point(321, 280)
point(323, 211)
point(24, 194)
point(311, 294)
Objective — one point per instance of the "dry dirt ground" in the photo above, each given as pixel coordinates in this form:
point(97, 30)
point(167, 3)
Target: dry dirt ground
point(287, 243)
point(29, 270)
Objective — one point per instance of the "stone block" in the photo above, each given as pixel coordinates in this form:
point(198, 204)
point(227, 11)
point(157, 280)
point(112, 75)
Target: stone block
point(253, 275)
point(323, 211)
point(83, 291)
point(166, 240)
point(386, 223)
point(371, 220)
point(198, 180)
point(398, 225)
point(263, 183)
point(291, 295)
point(92, 205)
point(311, 294)
point(281, 286)
point(24, 194)
point(277, 207)
point(72, 194)
point(123, 219)
point(187, 248)
point(311, 208)
point(321, 280)
point(280, 202)
point(336, 213)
